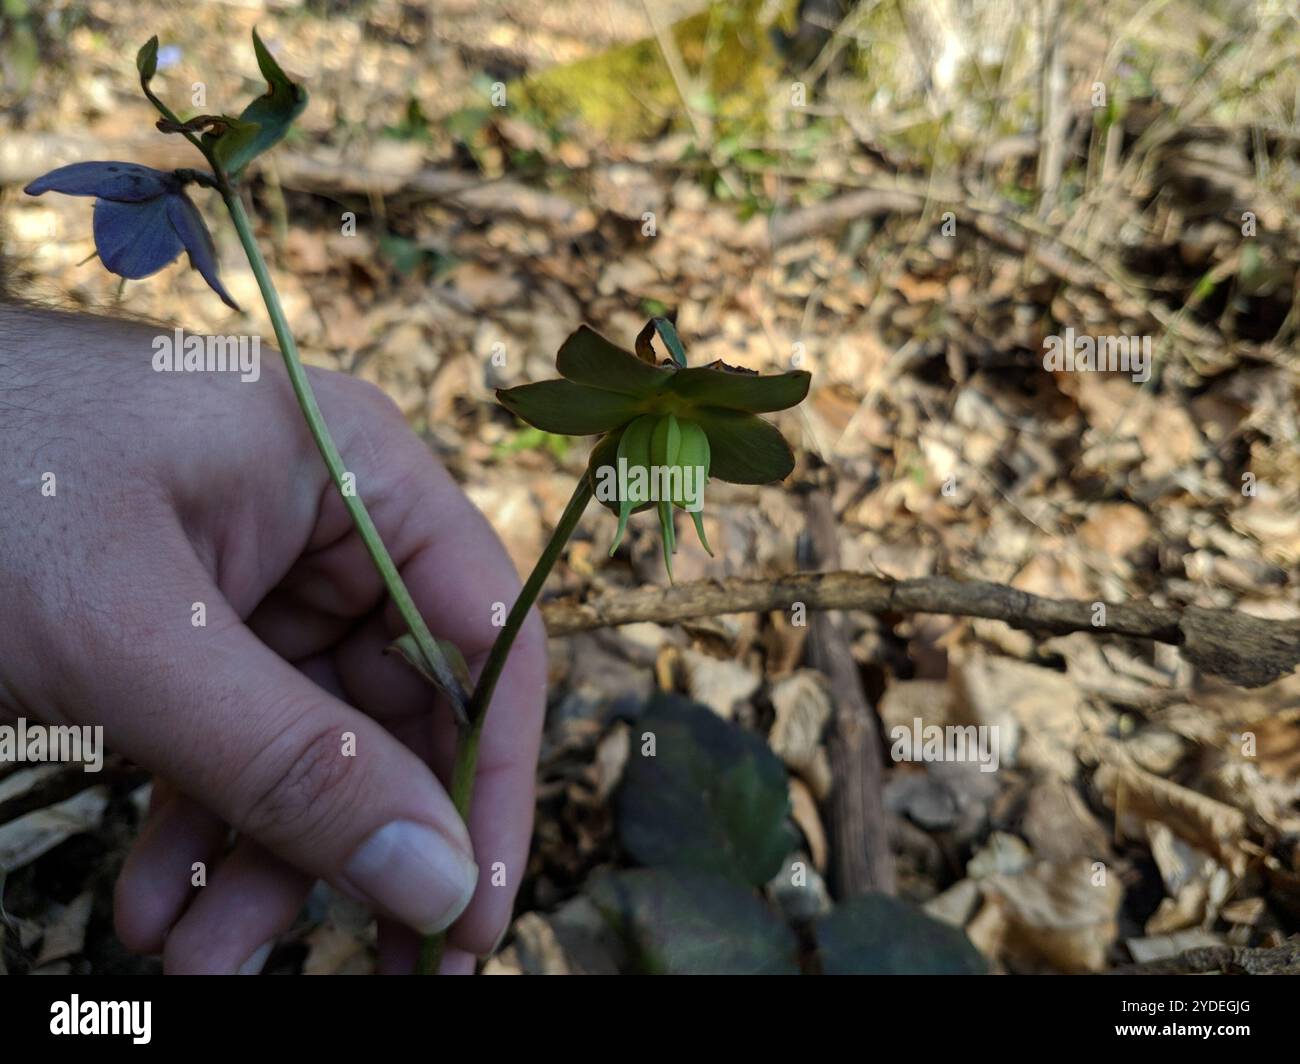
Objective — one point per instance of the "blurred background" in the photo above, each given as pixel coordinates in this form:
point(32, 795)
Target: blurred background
point(905, 197)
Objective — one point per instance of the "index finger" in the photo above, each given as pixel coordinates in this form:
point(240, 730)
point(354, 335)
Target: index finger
point(462, 581)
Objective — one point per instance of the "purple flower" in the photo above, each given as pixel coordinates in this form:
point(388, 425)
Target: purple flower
point(143, 218)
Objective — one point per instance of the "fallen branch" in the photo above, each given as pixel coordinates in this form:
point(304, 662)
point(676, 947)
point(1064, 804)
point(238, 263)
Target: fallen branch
point(1244, 650)
point(862, 863)
point(66, 780)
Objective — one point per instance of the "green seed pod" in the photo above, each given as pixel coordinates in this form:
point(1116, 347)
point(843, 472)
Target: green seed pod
point(633, 454)
point(665, 442)
point(694, 454)
point(659, 460)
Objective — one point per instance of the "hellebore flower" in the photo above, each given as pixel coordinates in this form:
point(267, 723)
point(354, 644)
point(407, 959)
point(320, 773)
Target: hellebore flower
point(665, 428)
point(143, 218)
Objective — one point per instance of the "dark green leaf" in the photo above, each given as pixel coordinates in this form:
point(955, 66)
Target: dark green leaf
point(588, 358)
point(741, 391)
point(276, 78)
point(234, 144)
point(743, 448)
point(713, 797)
point(408, 648)
point(694, 923)
point(568, 408)
point(263, 122)
point(879, 935)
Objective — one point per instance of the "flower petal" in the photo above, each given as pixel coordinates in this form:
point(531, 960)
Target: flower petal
point(568, 408)
point(743, 449)
point(121, 182)
point(135, 240)
point(188, 222)
point(588, 358)
point(741, 391)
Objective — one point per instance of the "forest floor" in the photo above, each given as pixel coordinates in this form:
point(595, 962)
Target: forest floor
point(839, 202)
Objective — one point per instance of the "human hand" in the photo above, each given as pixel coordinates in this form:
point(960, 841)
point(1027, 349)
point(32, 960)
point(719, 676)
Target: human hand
point(180, 488)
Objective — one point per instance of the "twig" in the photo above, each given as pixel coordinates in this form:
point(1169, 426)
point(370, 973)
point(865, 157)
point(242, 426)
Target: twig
point(67, 780)
point(862, 859)
point(1054, 107)
point(1244, 650)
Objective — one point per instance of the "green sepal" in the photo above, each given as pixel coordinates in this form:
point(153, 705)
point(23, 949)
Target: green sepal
point(743, 448)
point(568, 408)
point(588, 358)
point(732, 390)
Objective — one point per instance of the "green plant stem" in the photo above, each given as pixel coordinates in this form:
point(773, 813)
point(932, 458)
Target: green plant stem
point(334, 461)
point(462, 777)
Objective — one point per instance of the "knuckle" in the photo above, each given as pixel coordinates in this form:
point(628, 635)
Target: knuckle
point(307, 787)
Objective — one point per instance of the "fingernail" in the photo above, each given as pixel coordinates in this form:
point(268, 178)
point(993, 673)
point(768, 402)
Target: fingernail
point(414, 874)
point(253, 966)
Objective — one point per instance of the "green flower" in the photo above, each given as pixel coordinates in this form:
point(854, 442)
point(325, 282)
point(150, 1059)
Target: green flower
point(665, 429)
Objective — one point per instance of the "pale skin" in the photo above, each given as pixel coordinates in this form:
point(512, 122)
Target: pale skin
point(179, 488)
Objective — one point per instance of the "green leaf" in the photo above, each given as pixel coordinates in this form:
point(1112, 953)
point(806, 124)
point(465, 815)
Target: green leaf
point(710, 386)
point(713, 797)
point(694, 923)
point(263, 122)
point(588, 358)
point(568, 408)
point(146, 61)
point(407, 647)
point(233, 145)
point(743, 448)
point(879, 935)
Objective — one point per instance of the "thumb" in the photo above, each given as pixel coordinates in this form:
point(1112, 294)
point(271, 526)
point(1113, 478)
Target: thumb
point(316, 782)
